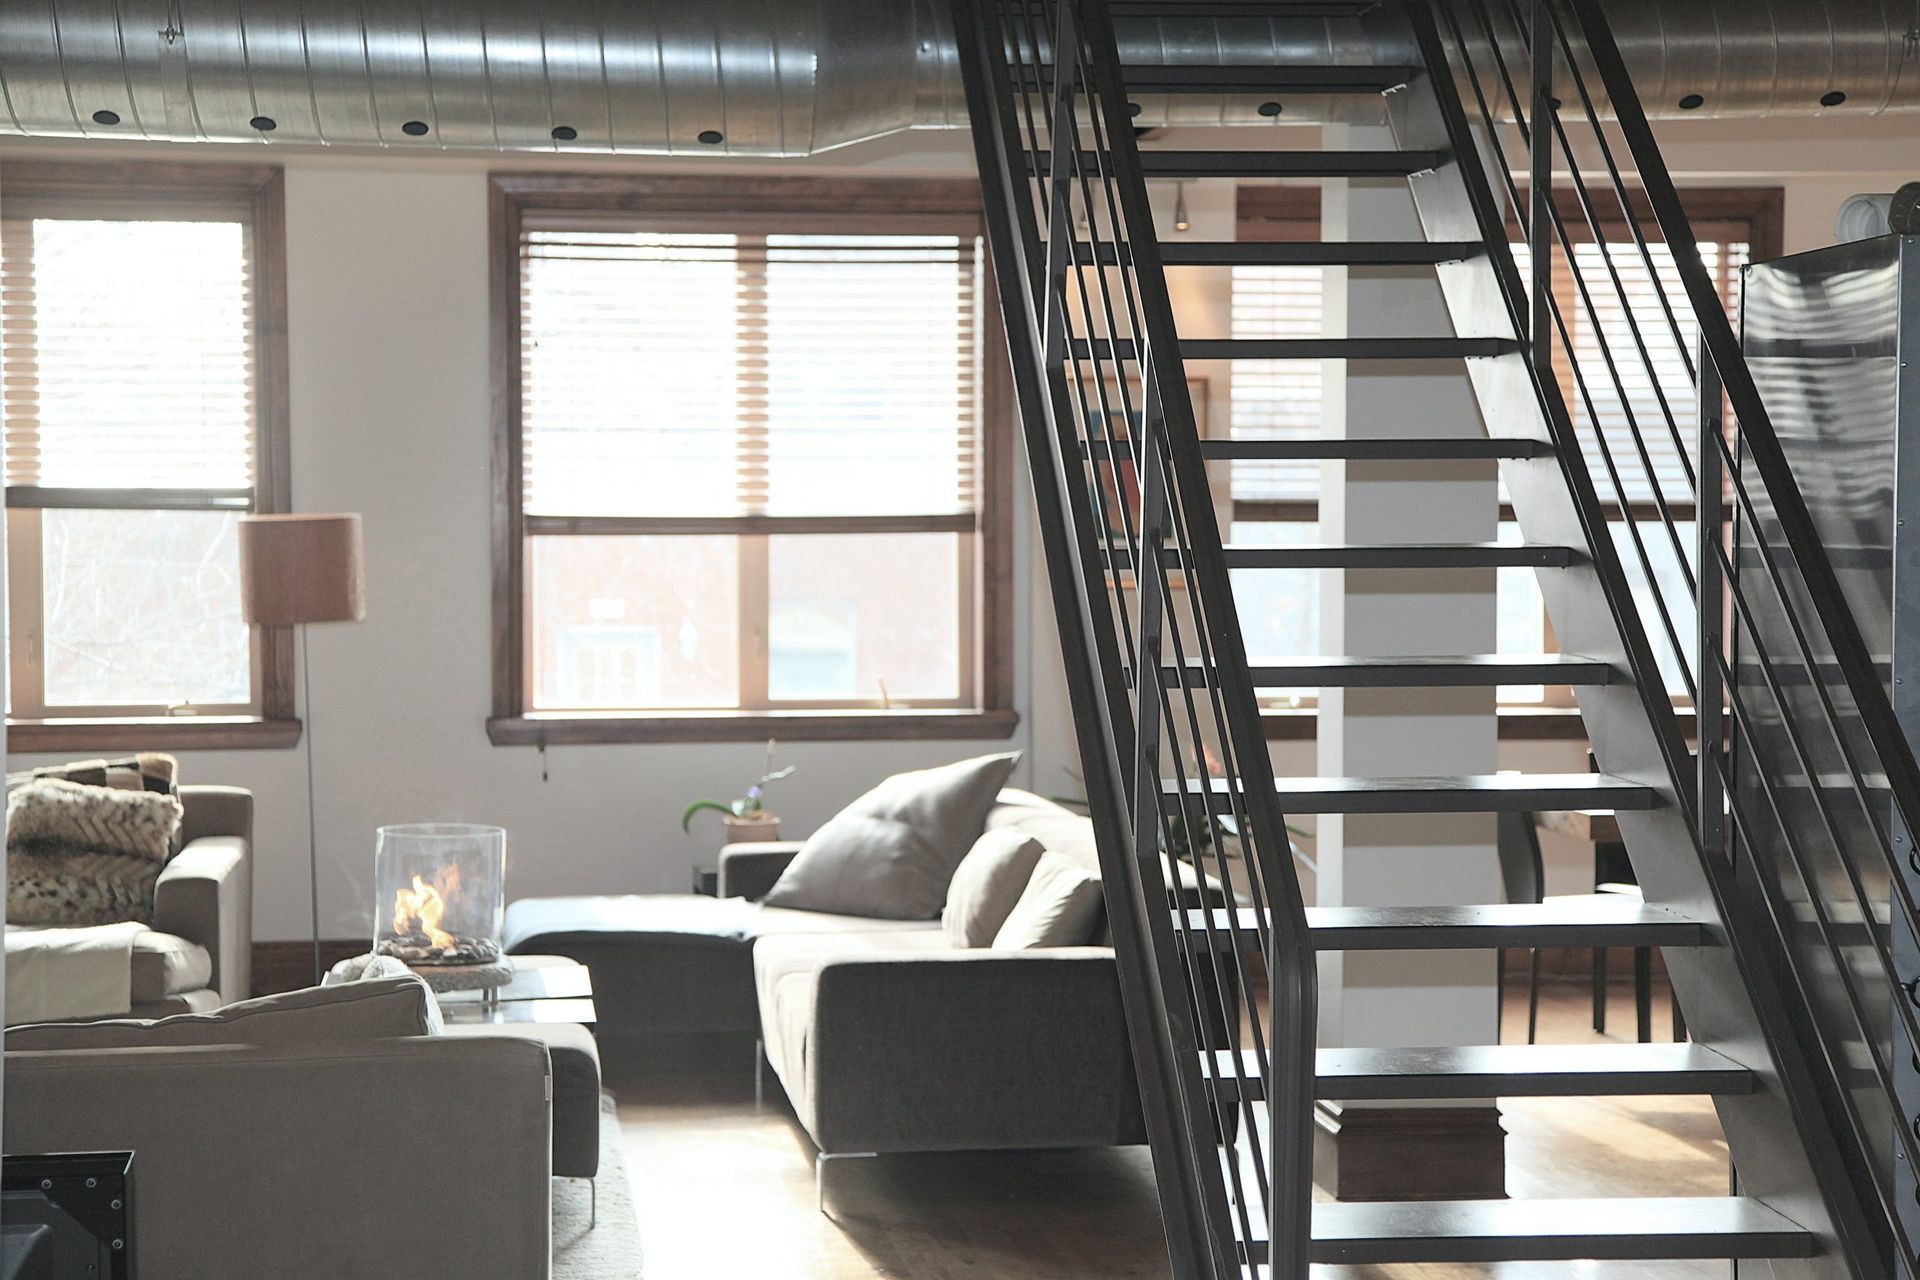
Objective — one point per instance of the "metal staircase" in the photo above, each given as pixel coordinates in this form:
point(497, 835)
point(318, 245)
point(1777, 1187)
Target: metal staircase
point(1216, 948)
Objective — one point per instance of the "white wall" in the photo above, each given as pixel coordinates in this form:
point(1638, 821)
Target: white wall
point(388, 314)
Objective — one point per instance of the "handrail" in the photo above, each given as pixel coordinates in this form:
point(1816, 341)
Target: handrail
point(1157, 670)
point(1529, 49)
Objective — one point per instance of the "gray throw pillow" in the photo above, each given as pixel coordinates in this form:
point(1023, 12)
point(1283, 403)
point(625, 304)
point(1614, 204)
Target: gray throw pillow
point(1059, 908)
point(891, 854)
point(989, 882)
point(376, 1008)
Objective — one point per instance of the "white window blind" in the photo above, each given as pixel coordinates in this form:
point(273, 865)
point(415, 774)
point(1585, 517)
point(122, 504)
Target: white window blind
point(1276, 399)
point(677, 374)
point(128, 354)
point(1723, 261)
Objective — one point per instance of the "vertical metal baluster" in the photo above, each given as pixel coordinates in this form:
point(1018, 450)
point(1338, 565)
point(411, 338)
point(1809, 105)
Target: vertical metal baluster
point(1540, 189)
point(1708, 709)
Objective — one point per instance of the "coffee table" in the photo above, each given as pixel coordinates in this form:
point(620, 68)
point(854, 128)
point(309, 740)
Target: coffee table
point(543, 989)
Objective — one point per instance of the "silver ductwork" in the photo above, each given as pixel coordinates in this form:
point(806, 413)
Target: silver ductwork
point(772, 77)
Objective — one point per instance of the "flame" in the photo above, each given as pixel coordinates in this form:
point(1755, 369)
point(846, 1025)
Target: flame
point(419, 909)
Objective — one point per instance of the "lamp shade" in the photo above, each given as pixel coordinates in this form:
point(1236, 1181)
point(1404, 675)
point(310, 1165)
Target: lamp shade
point(299, 569)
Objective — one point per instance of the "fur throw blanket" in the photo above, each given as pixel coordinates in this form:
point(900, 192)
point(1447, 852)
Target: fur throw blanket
point(86, 855)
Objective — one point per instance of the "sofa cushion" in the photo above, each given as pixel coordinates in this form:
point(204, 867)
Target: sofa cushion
point(165, 965)
point(892, 852)
point(537, 924)
point(1060, 908)
point(375, 1009)
point(989, 882)
point(786, 975)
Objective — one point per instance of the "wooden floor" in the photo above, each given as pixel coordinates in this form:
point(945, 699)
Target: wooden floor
point(723, 1191)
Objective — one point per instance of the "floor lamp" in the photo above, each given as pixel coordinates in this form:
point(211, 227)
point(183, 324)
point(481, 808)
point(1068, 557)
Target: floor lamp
point(297, 570)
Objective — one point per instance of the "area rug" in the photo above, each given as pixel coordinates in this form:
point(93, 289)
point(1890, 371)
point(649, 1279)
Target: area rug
point(611, 1250)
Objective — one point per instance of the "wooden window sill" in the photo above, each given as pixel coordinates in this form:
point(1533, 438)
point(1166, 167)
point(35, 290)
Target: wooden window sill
point(572, 728)
point(152, 733)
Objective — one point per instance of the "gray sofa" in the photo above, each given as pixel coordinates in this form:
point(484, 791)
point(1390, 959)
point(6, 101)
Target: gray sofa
point(304, 1156)
point(198, 954)
point(885, 1037)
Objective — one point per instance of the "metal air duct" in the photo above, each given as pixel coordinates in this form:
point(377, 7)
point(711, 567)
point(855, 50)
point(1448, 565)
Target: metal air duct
point(772, 77)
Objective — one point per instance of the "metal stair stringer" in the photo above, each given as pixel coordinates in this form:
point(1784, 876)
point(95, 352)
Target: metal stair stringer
point(1778, 1136)
point(1124, 707)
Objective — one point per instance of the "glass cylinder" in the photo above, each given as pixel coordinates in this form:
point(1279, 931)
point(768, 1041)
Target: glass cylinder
point(440, 892)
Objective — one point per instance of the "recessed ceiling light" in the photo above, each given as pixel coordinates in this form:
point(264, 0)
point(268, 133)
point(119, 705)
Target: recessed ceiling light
point(414, 128)
point(1269, 108)
point(106, 117)
point(565, 133)
point(1692, 102)
point(1833, 98)
point(265, 124)
point(712, 137)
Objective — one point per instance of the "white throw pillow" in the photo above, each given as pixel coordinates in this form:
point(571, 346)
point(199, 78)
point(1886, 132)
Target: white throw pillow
point(891, 854)
point(1060, 908)
point(988, 884)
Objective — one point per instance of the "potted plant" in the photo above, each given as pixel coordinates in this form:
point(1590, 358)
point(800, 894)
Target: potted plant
point(746, 819)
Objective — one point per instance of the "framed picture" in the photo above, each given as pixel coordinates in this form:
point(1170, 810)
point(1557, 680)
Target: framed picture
point(1118, 478)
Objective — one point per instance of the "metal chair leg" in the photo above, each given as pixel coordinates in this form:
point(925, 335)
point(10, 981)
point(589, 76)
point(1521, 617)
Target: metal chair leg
point(1600, 989)
point(759, 1076)
point(1533, 992)
point(1499, 994)
point(593, 1203)
point(1643, 993)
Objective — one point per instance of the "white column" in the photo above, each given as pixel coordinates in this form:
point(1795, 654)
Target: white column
point(1402, 998)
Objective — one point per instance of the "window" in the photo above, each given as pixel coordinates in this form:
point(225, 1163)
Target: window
point(755, 471)
point(144, 413)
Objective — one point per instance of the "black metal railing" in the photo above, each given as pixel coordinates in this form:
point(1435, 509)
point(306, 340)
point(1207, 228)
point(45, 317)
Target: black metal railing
point(1759, 633)
point(1209, 927)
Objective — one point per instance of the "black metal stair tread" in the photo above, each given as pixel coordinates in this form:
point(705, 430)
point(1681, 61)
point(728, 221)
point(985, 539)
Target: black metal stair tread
point(1274, 78)
point(1264, 164)
point(1363, 449)
point(1588, 920)
point(1172, 9)
point(1497, 1071)
point(1549, 1231)
point(1468, 793)
point(1374, 348)
point(1380, 449)
point(1345, 555)
point(1467, 671)
point(1296, 253)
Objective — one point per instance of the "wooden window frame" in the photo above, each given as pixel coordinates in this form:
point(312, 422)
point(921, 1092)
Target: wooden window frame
point(158, 191)
point(859, 204)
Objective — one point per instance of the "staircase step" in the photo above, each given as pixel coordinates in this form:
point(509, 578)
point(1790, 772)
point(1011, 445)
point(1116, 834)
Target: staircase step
point(1468, 793)
point(1403, 449)
point(1264, 164)
point(1496, 1071)
point(1172, 10)
point(1472, 671)
point(1341, 555)
point(1306, 348)
point(1587, 920)
point(1640, 1229)
point(1295, 253)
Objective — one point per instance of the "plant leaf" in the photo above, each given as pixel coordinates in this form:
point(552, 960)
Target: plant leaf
point(686, 819)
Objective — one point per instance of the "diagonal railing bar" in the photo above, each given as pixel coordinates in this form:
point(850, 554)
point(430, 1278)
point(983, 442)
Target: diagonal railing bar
point(1097, 692)
point(1426, 18)
point(1177, 730)
point(1760, 442)
point(1530, 207)
point(1824, 759)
